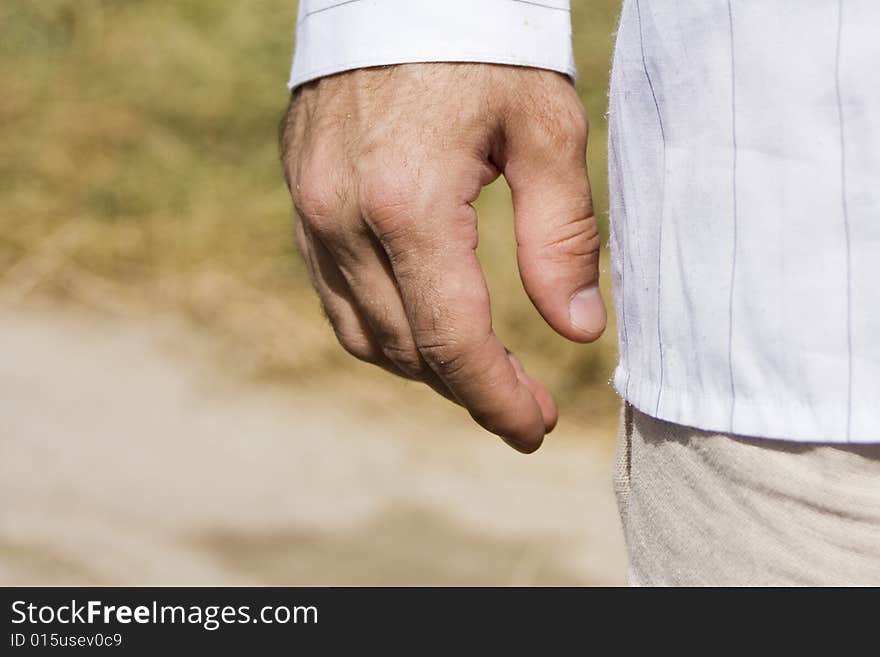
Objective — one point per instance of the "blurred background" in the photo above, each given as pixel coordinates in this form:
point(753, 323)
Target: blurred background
point(173, 407)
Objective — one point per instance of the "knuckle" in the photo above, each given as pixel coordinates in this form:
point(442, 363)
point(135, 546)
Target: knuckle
point(407, 359)
point(565, 130)
point(447, 357)
point(386, 199)
point(315, 197)
point(579, 238)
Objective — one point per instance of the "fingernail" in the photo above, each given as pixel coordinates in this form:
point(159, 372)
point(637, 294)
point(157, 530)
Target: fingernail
point(587, 310)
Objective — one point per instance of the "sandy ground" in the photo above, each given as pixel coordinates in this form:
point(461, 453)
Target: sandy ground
point(127, 457)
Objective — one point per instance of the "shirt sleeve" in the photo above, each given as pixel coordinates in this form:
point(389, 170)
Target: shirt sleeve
point(338, 35)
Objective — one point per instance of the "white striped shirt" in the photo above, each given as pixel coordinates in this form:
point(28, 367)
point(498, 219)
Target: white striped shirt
point(744, 159)
point(744, 162)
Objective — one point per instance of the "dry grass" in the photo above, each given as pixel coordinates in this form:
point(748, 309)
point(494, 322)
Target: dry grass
point(138, 171)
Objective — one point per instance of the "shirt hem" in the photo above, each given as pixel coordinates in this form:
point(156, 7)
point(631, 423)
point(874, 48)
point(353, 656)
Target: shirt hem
point(771, 420)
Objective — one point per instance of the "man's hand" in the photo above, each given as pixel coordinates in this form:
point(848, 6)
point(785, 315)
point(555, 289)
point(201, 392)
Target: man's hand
point(383, 165)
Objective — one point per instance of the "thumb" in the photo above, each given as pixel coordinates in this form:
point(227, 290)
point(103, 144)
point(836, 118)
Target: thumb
point(556, 231)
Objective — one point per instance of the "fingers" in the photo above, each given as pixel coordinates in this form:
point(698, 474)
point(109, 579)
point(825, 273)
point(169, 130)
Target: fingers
point(350, 328)
point(545, 400)
point(344, 313)
point(430, 244)
point(330, 211)
point(364, 266)
point(556, 231)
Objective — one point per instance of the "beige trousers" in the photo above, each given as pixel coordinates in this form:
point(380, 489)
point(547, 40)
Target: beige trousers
point(711, 509)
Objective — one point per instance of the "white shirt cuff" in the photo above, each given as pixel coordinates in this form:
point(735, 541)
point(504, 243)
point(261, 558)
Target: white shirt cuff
point(335, 35)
